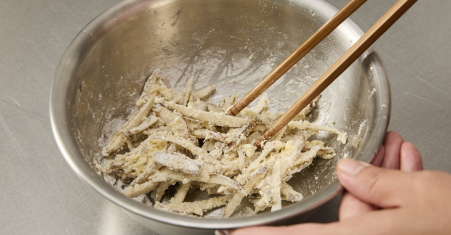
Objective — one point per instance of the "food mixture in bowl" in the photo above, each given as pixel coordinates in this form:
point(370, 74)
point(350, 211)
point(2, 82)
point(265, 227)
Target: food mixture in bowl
point(179, 143)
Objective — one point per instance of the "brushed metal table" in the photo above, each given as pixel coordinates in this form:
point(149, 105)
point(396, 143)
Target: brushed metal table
point(39, 193)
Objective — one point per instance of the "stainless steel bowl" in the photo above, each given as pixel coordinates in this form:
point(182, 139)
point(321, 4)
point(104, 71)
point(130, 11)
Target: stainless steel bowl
point(231, 43)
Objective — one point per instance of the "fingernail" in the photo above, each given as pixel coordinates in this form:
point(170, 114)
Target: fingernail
point(222, 232)
point(350, 166)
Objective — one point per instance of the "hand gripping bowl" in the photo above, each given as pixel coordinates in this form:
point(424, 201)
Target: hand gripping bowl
point(231, 43)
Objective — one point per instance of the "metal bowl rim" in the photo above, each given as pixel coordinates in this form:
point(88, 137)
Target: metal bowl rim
point(73, 156)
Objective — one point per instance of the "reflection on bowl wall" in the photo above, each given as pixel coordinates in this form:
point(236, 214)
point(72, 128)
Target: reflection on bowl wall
point(230, 43)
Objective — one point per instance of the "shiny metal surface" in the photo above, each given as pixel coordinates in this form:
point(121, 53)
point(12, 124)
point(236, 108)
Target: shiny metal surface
point(232, 44)
point(39, 192)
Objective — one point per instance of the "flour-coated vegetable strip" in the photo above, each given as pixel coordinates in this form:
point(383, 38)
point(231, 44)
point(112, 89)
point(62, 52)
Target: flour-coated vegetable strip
point(196, 208)
point(138, 161)
point(197, 104)
point(145, 104)
point(162, 130)
point(220, 119)
point(177, 162)
point(239, 136)
point(305, 160)
point(187, 91)
point(128, 141)
point(174, 120)
point(275, 186)
point(161, 189)
point(213, 108)
point(234, 202)
point(303, 114)
point(279, 134)
point(323, 152)
point(341, 136)
point(291, 152)
point(217, 150)
point(228, 102)
point(248, 183)
point(208, 134)
point(139, 189)
point(165, 174)
point(242, 158)
point(116, 141)
point(181, 193)
point(262, 105)
point(190, 146)
point(267, 149)
point(204, 93)
point(226, 181)
point(261, 203)
point(289, 194)
point(149, 88)
point(143, 126)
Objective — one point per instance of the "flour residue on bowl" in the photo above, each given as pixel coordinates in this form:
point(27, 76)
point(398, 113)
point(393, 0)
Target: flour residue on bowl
point(250, 52)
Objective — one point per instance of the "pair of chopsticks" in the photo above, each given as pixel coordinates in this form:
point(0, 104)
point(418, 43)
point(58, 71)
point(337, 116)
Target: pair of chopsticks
point(379, 28)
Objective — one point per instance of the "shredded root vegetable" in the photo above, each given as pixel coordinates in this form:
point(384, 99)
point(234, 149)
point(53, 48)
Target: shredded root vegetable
point(181, 139)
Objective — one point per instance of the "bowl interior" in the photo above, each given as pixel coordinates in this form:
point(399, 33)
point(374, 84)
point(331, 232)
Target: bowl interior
point(232, 44)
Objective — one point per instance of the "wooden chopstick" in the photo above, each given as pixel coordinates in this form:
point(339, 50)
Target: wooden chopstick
point(380, 27)
point(297, 55)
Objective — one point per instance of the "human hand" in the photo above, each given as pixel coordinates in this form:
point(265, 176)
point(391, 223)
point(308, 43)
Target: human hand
point(395, 154)
point(411, 202)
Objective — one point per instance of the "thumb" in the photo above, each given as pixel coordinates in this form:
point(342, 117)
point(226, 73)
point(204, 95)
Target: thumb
point(377, 186)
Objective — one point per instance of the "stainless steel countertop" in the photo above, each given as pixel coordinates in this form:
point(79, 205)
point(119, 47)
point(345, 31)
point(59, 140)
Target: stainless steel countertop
point(39, 193)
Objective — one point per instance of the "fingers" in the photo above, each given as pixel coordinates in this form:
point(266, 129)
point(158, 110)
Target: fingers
point(374, 223)
point(311, 229)
point(351, 206)
point(377, 222)
point(373, 185)
point(377, 161)
point(410, 158)
point(392, 143)
point(399, 154)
